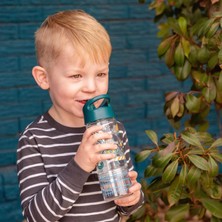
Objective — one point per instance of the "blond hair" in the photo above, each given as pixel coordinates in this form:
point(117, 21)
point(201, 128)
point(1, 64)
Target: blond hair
point(83, 31)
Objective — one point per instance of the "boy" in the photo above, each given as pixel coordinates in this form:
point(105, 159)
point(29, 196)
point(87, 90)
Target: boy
point(57, 156)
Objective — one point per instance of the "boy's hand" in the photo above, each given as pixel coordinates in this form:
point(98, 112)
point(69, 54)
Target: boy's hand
point(89, 152)
point(134, 190)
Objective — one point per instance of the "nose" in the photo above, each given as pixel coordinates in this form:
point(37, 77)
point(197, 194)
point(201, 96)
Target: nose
point(89, 85)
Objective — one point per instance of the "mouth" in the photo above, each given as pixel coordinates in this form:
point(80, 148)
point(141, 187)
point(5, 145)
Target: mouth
point(82, 101)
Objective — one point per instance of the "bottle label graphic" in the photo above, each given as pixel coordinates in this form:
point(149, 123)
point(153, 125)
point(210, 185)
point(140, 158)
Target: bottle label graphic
point(114, 184)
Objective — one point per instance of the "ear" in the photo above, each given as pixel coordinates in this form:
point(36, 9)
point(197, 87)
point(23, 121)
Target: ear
point(41, 77)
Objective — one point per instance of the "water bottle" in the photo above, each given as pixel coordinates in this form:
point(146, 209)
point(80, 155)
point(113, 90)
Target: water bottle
point(113, 173)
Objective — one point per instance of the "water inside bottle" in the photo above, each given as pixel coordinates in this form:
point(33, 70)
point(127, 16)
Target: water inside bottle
point(115, 183)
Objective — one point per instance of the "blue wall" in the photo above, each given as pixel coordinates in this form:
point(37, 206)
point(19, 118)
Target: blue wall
point(138, 80)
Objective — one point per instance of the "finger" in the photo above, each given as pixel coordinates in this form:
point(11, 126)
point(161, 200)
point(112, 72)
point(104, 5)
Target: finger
point(101, 157)
point(92, 130)
point(129, 200)
point(135, 187)
point(133, 175)
point(134, 198)
point(100, 137)
point(105, 146)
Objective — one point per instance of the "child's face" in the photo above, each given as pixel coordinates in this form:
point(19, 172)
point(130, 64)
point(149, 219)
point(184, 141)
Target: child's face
point(72, 84)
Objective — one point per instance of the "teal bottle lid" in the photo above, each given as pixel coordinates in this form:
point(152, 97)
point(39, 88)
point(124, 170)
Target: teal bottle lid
point(92, 113)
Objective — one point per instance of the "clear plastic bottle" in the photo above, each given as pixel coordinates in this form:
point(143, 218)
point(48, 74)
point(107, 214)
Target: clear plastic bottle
point(113, 173)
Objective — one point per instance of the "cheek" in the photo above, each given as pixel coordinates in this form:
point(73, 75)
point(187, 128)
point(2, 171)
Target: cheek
point(104, 85)
point(62, 86)
point(60, 90)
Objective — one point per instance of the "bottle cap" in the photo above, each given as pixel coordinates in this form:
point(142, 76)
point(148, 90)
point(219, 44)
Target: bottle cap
point(92, 113)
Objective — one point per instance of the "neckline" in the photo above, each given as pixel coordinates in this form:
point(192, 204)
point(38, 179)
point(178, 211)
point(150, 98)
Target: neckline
point(61, 127)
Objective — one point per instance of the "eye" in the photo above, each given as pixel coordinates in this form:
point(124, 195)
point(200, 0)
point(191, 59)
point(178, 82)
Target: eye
point(101, 74)
point(76, 76)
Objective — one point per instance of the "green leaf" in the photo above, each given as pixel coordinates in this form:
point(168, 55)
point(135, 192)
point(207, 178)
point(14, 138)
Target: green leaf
point(152, 171)
point(164, 46)
point(153, 136)
point(205, 137)
point(193, 103)
point(183, 25)
point(142, 155)
point(168, 138)
point(161, 161)
point(214, 206)
point(149, 171)
point(221, 22)
point(216, 143)
point(214, 27)
point(174, 25)
point(217, 156)
point(206, 180)
point(214, 219)
point(218, 99)
point(186, 47)
point(215, 191)
point(179, 55)
point(157, 186)
point(220, 56)
point(213, 167)
point(205, 109)
point(200, 79)
point(193, 176)
point(193, 56)
point(164, 30)
point(139, 213)
point(175, 191)
point(177, 213)
point(219, 82)
point(186, 71)
point(170, 172)
point(148, 219)
point(209, 91)
point(196, 150)
point(191, 139)
point(175, 106)
point(160, 9)
point(183, 174)
point(198, 25)
point(203, 55)
point(202, 26)
point(199, 162)
point(203, 124)
point(213, 61)
point(181, 110)
point(206, 26)
point(178, 72)
point(169, 56)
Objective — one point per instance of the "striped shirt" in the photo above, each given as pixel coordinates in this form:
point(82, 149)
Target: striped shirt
point(52, 186)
